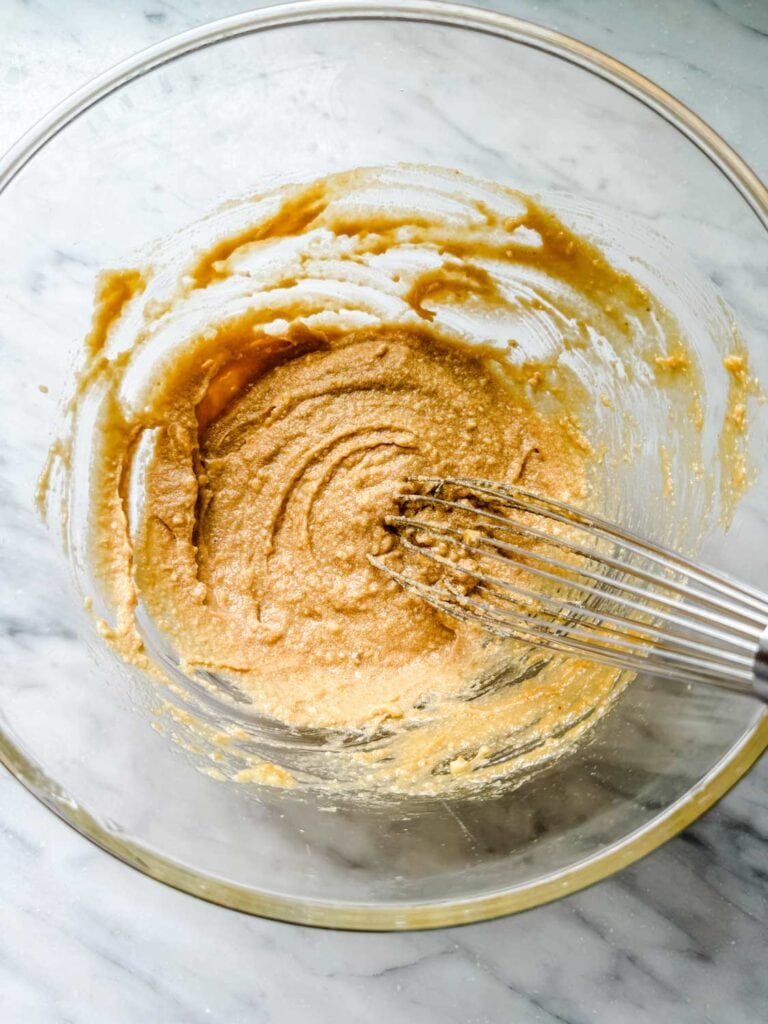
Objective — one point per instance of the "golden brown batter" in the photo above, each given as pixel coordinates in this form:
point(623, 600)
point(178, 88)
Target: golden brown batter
point(255, 396)
point(260, 516)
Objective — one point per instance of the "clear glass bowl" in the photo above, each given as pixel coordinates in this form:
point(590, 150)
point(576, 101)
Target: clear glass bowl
point(289, 93)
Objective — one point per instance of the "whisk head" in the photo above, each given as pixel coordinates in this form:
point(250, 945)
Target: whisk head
point(532, 568)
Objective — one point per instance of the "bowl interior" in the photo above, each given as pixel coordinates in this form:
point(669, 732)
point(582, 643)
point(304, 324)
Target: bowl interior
point(283, 101)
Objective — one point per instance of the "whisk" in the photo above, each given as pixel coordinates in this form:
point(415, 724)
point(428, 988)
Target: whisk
point(528, 567)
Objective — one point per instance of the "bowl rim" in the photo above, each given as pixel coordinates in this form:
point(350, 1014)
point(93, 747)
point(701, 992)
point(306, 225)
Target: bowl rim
point(412, 914)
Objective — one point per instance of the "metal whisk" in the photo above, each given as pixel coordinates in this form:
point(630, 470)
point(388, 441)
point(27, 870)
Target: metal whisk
point(528, 567)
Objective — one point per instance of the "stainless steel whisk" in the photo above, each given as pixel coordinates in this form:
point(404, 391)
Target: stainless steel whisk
point(576, 583)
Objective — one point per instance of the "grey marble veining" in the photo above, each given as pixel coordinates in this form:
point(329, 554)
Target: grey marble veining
point(678, 938)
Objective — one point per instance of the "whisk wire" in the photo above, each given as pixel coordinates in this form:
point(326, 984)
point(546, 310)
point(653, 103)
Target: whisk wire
point(559, 511)
point(724, 636)
point(576, 613)
point(572, 642)
point(572, 547)
point(622, 600)
point(730, 625)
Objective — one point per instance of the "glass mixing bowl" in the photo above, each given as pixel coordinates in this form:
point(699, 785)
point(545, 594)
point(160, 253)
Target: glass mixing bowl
point(289, 93)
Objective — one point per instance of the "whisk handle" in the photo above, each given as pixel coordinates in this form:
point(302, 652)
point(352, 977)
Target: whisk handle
point(760, 668)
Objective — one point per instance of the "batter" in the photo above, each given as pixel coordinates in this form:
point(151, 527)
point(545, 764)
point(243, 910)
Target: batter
point(261, 508)
point(253, 398)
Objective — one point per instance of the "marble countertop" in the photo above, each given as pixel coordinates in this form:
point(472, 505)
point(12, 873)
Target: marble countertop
point(678, 937)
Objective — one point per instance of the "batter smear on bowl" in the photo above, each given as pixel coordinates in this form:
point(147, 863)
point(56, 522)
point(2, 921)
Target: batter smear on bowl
point(252, 397)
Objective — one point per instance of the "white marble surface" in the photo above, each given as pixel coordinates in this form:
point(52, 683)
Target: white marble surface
point(679, 937)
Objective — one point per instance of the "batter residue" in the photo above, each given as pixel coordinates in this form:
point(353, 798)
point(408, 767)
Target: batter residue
point(252, 399)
